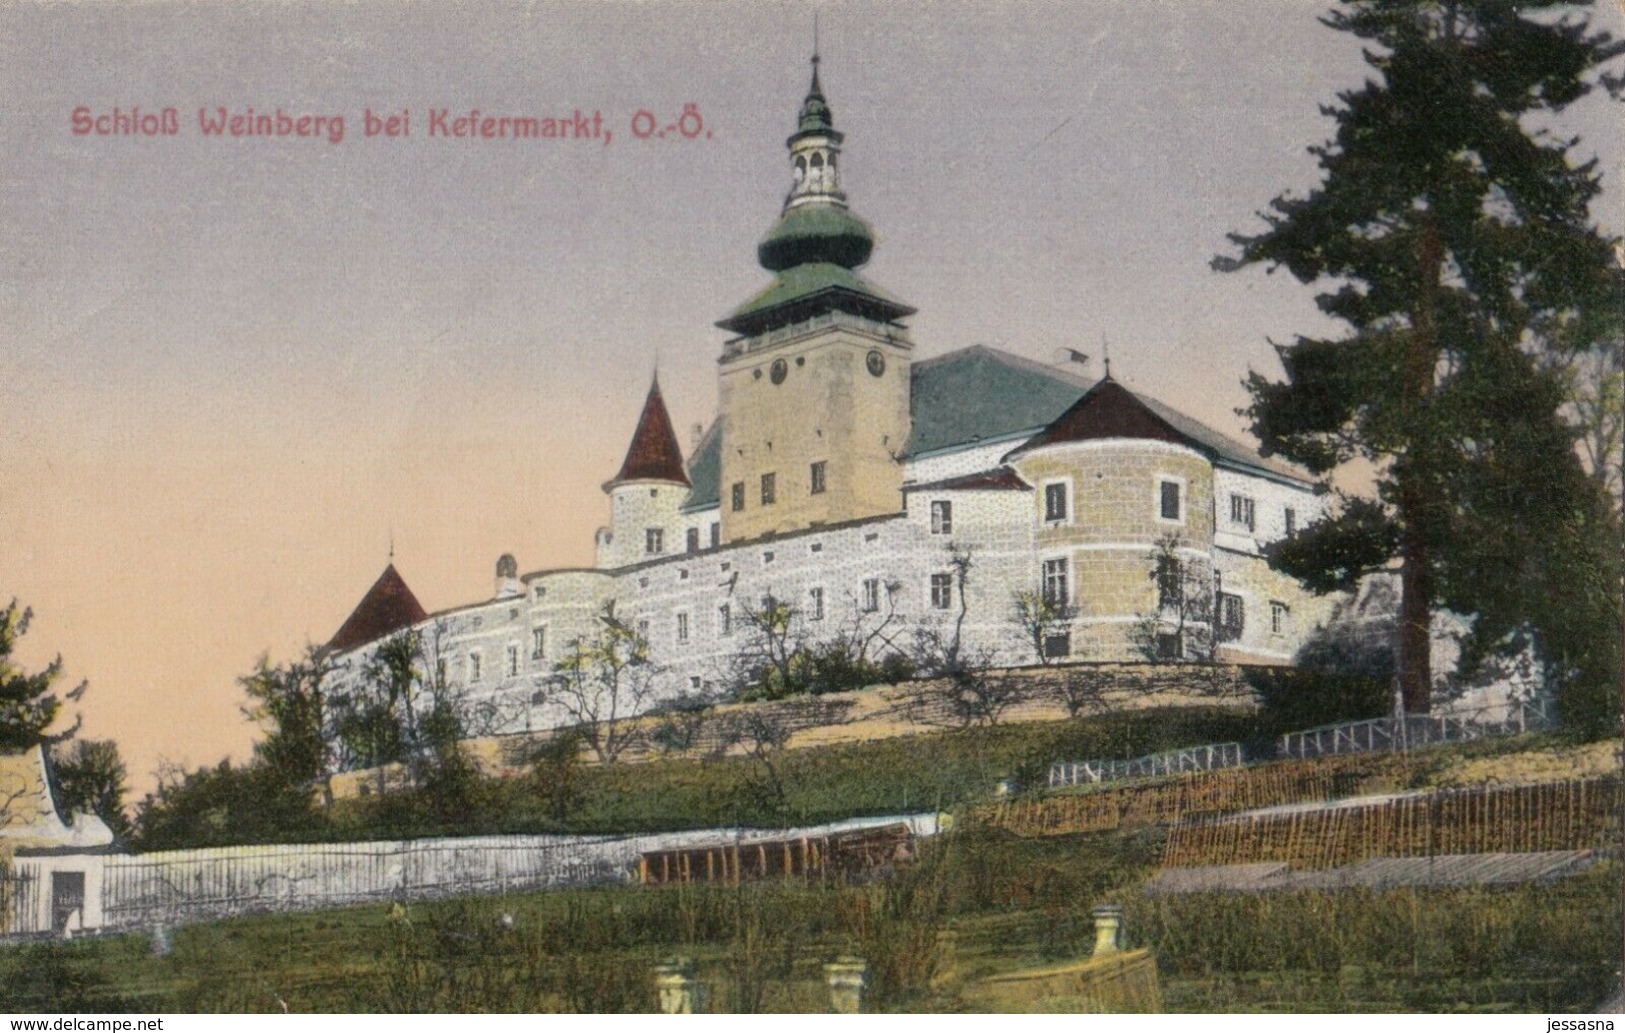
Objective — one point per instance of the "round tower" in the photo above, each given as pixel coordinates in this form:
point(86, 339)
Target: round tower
point(647, 494)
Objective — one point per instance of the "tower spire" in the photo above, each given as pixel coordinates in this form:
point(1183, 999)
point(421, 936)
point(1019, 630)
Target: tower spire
point(815, 86)
point(653, 454)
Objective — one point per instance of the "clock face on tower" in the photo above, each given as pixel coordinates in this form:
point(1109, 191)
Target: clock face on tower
point(876, 363)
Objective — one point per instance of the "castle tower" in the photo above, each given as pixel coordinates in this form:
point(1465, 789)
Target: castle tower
point(646, 493)
point(389, 606)
point(814, 389)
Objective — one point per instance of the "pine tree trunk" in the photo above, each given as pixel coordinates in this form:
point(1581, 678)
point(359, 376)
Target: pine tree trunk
point(1416, 573)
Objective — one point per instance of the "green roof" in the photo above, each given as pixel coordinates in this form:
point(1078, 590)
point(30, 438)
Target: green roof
point(705, 470)
point(816, 287)
point(979, 394)
point(816, 231)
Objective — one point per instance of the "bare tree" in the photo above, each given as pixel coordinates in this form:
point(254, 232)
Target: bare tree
point(1042, 618)
point(773, 661)
point(762, 733)
point(1184, 623)
point(603, 680)
point(961, 686)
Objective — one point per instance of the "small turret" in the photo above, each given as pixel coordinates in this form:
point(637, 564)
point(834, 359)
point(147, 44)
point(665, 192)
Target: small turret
point(507, 583)
point(647, 492)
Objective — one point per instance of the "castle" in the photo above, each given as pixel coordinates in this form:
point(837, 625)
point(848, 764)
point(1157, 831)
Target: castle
point(840, 479)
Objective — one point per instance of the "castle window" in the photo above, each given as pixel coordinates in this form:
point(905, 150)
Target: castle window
point(1170, 582)
point(654, 541)
point(1279, 616)
point(440, 671)
point(716, 526)
point(1169, 501)
point(682, 627)
point(513, 661)
point(1169, 647)
point(725, 620)
point(1291, 521)
point(1241, 511)
point(1054, 586)
point(942, 591)
point(1058, 645)
point(643, 628)
point(816, 474)
point(693, 539)
point(538, 643)
point(770, 488)
point(1055, 507)
point(942, 517)
point(767, 557)
point(738, 494)
point(473, 667)
point(815, 604)
point(871, 595)
point(1232, 617)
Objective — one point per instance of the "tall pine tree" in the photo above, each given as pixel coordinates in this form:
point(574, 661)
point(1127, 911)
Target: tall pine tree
point(1453, 238)
point(28, 706)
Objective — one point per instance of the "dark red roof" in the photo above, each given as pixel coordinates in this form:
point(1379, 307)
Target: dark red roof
point(1001, 479)
point(387, 607)
point(653, 454)
point(1107, 410)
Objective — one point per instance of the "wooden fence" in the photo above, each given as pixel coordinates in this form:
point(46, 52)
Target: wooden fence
point(834, 855)
point(1226, 790)
point(1573, 815)
point(1174, 762)
point(1413, 731)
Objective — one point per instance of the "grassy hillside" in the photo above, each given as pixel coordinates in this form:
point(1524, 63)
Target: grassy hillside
point(978, 903)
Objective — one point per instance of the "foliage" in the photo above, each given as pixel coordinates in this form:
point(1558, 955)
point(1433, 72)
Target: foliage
point(224, 806)
point(92, 778)
point(28, 707)
point(1454, 241)
point(604, 679)
point(291, 702)
point(779, 658)
point(555, 767)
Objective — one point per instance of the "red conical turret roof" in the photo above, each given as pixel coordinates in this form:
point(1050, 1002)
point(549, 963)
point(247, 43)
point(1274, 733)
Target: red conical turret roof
point(388, 607)
point(653, 454)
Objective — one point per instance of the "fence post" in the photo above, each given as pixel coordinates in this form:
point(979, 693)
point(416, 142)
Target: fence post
point(847, 978)
point(679, 992)
point(1108, 924)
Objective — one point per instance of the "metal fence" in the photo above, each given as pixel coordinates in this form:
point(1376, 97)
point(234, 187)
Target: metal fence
point(1196, 758)
point(19, 900)
point(1384, 734)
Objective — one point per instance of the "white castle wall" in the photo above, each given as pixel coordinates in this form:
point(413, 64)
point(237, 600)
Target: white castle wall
point(660, 594)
